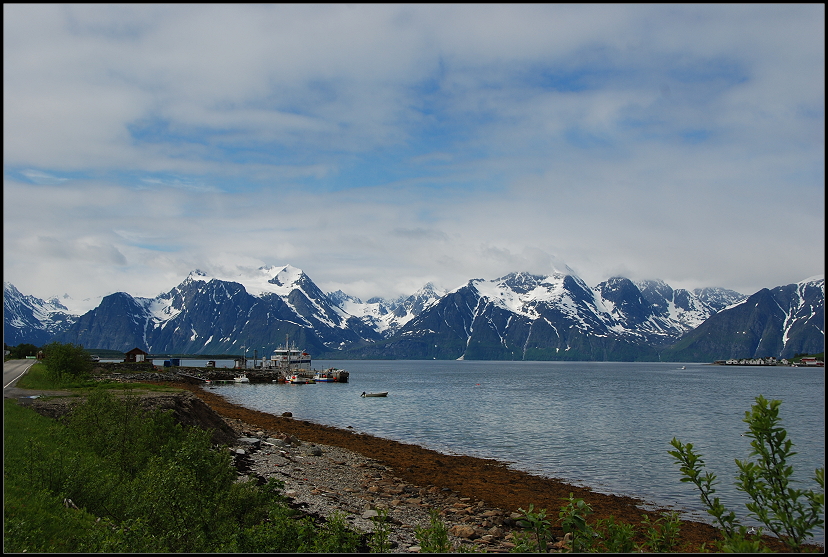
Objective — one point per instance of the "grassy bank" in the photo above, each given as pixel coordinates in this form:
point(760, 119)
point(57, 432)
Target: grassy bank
point(116, 478)
point(37, 378)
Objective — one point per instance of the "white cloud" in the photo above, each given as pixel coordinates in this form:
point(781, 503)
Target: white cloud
point(381, 146)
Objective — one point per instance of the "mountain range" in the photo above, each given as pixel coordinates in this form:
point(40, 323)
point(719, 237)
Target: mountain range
point(520, 316)
point(27, 319)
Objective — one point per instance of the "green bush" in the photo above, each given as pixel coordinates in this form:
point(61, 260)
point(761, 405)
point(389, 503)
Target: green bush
point(606, 536)
point(66, 362)
point(433, 538)
point(662, 533)
point(791, 514)
point(615, 537)
point(573, 521)
point(379, 540)
point(540, 527)
point(117, 478)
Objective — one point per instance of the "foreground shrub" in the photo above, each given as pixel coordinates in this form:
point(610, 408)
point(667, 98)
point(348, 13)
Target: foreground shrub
point(434, 537)
point(117, 478)
point(66, 362)
point(791, 514)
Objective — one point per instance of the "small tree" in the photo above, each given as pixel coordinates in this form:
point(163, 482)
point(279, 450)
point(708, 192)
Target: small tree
point(791, 514)
point(66, 362)
point(22, 350)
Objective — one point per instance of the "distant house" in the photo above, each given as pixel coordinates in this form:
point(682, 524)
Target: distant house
point(136, 355)
point(812, 362)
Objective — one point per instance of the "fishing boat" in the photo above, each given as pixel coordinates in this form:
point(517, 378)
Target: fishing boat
point(241, 379)
point(331, 375)
point(374, 394)
point(297, 379)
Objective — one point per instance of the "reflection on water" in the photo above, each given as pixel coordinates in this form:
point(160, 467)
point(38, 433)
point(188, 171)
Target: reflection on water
point(604, 425)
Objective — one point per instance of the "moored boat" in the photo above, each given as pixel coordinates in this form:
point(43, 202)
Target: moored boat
point(288, 358)
point(241, 379)
point(364, 394)
point(331, 375)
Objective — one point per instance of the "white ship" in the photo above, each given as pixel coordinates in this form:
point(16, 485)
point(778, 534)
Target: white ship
point(288, 358)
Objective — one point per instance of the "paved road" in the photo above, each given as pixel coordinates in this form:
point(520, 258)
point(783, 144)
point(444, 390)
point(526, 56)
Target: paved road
point(12, 370)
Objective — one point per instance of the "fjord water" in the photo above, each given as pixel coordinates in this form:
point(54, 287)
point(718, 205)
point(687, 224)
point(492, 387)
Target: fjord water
point(603, 425)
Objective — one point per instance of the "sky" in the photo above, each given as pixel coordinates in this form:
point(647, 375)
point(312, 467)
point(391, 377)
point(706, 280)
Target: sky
point(382, 147)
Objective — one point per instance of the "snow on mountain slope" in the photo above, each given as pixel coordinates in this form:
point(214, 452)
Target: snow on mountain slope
point(517, 315)
point(682, 309)
point(387, 316)
point(779, 322)
point(30, 319)
point(804, 305)
point(289, 283)
point(73, 306)
point(649, 312)
point(525, 294)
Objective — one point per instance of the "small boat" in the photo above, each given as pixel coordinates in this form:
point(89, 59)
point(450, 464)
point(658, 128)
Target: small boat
point(331, 375)
point(299, 380)
point(364, 394)
point(241, 379)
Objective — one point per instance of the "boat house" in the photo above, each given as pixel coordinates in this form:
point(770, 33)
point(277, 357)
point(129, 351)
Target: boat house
point(136, 355)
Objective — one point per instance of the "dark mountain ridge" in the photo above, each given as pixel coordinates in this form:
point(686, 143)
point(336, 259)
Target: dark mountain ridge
point(520, 316)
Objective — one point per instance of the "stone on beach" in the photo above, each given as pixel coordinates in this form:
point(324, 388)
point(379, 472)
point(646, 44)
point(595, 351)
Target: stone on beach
point(439, 480)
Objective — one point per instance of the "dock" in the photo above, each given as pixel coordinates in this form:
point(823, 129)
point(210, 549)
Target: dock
point(211, 374)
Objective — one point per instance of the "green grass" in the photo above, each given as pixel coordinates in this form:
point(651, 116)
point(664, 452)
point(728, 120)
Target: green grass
point(37, 378)
point(139, 482)
point(36, 519)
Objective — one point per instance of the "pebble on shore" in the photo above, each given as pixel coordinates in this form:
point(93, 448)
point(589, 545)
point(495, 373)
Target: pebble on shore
point(323, 480)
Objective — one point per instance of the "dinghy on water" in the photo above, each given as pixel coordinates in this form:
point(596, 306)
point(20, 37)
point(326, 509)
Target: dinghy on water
point(364, 394)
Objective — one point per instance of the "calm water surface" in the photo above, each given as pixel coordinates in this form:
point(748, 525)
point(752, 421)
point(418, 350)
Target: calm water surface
point(603, 425)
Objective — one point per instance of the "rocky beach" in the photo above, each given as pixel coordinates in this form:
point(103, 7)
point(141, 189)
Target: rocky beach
point(328, 470)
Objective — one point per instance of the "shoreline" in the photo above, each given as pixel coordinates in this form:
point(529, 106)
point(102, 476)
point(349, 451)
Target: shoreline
point(486, 481)
point(356, 473)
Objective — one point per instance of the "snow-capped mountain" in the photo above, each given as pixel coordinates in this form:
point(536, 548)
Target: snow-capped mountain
point(526, 316)
point(387, 316)
point(208, 315)
point(518, 316)
point(657, 312)
point(27, 319)
point(780, 322)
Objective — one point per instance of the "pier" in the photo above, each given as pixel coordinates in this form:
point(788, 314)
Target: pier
point(215, 375)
